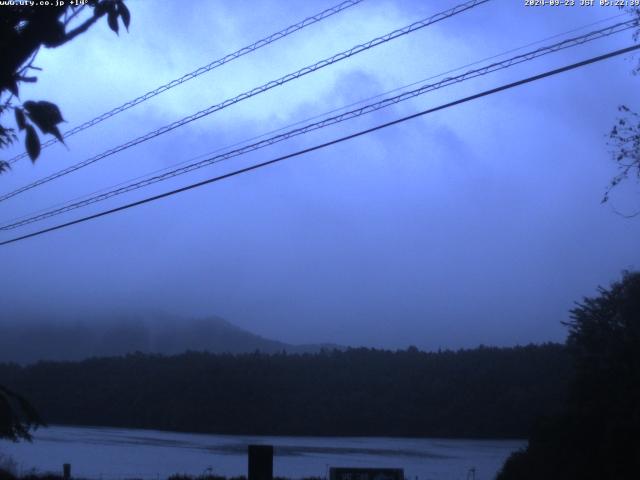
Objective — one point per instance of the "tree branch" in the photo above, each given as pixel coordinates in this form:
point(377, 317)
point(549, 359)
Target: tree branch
point(80, 29)
point(76, 12)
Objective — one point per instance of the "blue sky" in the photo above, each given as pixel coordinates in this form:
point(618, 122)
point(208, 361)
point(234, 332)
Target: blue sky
point(478, 224)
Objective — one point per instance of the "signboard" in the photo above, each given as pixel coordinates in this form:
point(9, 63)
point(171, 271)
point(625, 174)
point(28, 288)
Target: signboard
point(346, 473)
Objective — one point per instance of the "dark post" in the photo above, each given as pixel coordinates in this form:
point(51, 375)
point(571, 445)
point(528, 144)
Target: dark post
point(260, 462)
point(66, 471)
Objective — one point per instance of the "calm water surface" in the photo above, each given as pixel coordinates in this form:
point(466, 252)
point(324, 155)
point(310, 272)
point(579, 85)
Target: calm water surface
point(110, 453)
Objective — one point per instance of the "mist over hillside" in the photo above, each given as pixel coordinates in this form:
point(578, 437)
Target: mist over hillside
point(34, 339)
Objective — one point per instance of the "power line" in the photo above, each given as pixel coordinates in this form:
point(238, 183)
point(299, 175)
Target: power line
point(320, 115)
point(332, 142)
point(569, 43)
point(207, 68)
point(418, 82)
point(314, 117)
point(263, 88)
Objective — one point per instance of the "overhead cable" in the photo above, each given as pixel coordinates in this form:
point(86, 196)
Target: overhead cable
point(313, 117)
point(199, 71)
point(263, 88)
point(327, 144)
point(572, 42)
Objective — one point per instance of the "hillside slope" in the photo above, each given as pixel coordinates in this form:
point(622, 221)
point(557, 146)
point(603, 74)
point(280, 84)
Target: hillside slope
point(63, 340)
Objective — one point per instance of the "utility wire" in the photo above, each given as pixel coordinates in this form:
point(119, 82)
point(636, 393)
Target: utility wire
point(332, 142)
point(207, 68)
point(525, 57)
point(314, 117)
point(397, 89)
point(308, 119)
point(263, 88)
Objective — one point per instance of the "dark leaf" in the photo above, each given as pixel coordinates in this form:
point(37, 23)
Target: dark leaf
point(56, 133)
point(32, 143)
point(99, 8)
point(45, 115)
point(21, 121)
point(4, 166)
point(43, 108)
point(112, 20)
point(124, 14)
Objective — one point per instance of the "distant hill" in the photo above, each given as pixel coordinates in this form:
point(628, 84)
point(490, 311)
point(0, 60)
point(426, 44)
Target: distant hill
point(63, 340)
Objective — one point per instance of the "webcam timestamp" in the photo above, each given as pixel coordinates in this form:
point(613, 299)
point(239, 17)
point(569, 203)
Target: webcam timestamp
point(582, 3)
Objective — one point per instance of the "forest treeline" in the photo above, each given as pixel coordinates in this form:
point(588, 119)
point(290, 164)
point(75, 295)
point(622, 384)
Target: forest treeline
point(596, 434)
point(483, 392)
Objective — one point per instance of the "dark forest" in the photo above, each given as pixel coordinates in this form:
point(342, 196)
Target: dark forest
point(484, 392)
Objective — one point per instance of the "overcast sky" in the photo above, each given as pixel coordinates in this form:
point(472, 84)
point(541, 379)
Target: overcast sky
point(481, 223)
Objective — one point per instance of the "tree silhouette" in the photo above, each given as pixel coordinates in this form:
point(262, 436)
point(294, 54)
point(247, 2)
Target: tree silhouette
point(624, 137)
point(17, 416)
point(24, 29)
point(598, 435)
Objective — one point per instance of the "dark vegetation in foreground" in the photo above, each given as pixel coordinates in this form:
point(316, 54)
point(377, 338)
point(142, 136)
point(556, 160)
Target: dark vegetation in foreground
point(483, 393)
point(597, 434)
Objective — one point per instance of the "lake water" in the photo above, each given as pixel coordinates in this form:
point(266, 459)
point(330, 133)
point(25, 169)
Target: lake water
point(110, 453)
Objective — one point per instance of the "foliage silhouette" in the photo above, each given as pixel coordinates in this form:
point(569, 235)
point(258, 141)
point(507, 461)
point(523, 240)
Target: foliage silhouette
point(24, 29)
point(17, 416)
point(624, 137)
point(598, 434)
